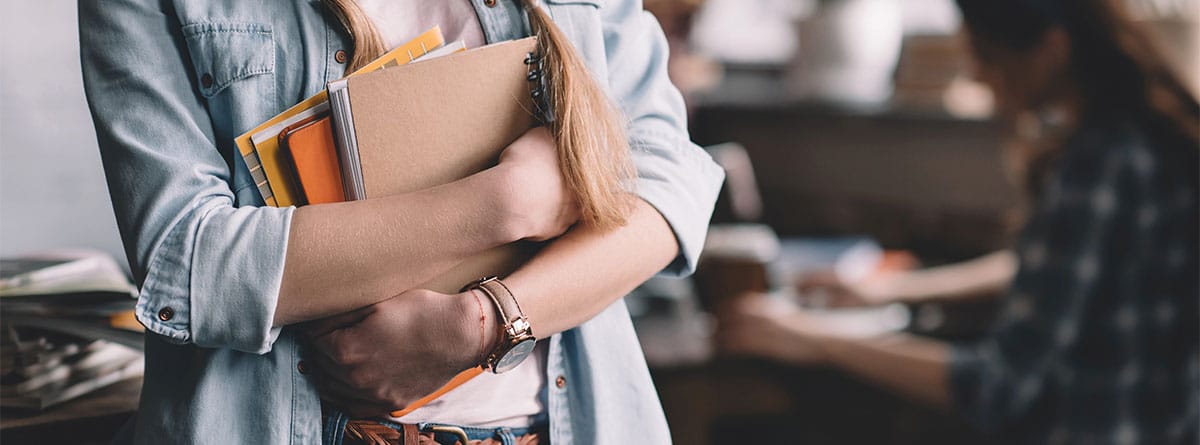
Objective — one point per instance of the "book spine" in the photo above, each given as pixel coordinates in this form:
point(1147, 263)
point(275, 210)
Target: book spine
point(259, 177)
point(346, 142)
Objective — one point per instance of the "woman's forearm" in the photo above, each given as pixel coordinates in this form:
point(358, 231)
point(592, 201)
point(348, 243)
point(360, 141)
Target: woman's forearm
point(344, 256)
point(578, 275)
point(573, 278)
point(912, 366)
point(986, 275)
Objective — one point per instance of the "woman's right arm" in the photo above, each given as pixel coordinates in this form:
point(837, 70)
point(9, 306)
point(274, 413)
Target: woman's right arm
point(216, 275)
point(363, 252)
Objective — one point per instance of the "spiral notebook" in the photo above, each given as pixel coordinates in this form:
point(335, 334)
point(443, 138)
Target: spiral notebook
point(431, 122)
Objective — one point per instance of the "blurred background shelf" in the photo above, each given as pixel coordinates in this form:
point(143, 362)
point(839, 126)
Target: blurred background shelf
point(913, 180)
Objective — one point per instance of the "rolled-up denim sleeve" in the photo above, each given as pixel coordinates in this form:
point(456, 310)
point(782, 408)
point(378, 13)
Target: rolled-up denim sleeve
point(674, 175)
point(209, 272)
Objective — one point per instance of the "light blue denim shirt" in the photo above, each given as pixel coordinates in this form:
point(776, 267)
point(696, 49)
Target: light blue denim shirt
point(170, 84)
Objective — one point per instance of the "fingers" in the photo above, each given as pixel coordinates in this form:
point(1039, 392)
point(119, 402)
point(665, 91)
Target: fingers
point(346, 376)
point(327, 363)
point(827, 290)
point(324, 326)
point(333, 345)
point(818, 289)
point(332, 382)
point(819, 280)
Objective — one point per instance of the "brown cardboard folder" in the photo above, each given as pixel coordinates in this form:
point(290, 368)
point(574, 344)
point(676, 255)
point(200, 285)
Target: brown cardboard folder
point(437, 121)
point(432, 122)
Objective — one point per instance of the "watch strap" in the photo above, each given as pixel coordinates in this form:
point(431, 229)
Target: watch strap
point(514, 326)
point(510, 310)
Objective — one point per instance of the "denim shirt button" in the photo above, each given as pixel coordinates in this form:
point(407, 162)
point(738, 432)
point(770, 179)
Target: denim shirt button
point(560, 382)
point(490, 3)
point(302, 367)
point(166, 314)
point(340, 56)
point(206, 80)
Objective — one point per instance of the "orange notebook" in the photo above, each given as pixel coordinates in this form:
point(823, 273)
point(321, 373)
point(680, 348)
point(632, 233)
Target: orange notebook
point(314, 156)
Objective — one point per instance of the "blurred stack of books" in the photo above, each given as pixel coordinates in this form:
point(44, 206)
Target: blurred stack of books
point(68, 327)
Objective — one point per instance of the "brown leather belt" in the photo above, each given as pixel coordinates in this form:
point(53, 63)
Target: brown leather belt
point(366, 432)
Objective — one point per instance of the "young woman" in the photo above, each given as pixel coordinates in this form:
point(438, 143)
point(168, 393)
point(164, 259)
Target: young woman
point(1097, 342)
point(224, 280)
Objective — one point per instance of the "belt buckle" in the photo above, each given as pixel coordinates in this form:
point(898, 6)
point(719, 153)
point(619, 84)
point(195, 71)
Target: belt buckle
point(462, 435)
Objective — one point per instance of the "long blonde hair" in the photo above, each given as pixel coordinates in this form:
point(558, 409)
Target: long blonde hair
point(588, 129)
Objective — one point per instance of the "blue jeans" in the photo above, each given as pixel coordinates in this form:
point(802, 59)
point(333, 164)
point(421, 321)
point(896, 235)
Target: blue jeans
point(334, 431)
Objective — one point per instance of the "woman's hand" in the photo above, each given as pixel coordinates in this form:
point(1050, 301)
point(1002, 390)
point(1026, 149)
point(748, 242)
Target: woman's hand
point(383, 357)
point(541, 206)
point(759, 326)
point(827, 290)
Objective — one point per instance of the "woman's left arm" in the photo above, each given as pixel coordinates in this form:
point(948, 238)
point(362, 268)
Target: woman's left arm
point(586, 270)
point(578, 275)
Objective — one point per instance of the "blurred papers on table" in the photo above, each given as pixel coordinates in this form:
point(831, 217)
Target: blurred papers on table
point(68, 327)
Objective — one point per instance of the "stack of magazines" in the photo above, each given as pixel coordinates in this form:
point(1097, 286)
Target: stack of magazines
point(67, 327)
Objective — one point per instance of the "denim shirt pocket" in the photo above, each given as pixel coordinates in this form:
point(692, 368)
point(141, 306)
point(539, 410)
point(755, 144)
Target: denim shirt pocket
point(233, 69)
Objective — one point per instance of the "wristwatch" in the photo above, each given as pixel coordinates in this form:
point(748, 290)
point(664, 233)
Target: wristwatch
point(516, 335)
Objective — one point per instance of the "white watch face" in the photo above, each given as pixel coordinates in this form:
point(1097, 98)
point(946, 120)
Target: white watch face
point(515, 356)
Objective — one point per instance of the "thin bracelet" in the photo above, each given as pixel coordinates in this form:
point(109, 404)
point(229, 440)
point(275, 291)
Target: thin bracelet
point(482, 330)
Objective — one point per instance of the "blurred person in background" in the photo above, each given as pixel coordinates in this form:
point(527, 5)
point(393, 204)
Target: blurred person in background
point(1097, 338)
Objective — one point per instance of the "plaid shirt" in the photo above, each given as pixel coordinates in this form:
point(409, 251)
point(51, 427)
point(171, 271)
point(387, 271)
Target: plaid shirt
point(1097, 341)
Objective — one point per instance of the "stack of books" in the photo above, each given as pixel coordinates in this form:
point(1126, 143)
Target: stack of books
point(424, 114)
point(67, 326)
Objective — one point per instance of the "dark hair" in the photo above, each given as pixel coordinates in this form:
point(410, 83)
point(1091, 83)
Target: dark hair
point(1113, 63)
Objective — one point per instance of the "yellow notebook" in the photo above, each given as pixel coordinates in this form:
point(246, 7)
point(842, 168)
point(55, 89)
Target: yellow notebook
point(260, 148)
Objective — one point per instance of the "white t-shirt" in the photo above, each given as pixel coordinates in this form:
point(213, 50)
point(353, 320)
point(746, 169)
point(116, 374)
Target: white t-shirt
point(515, 398)
point(401, 20)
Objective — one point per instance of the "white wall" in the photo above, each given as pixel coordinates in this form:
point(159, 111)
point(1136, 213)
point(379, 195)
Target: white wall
point(52, 189)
